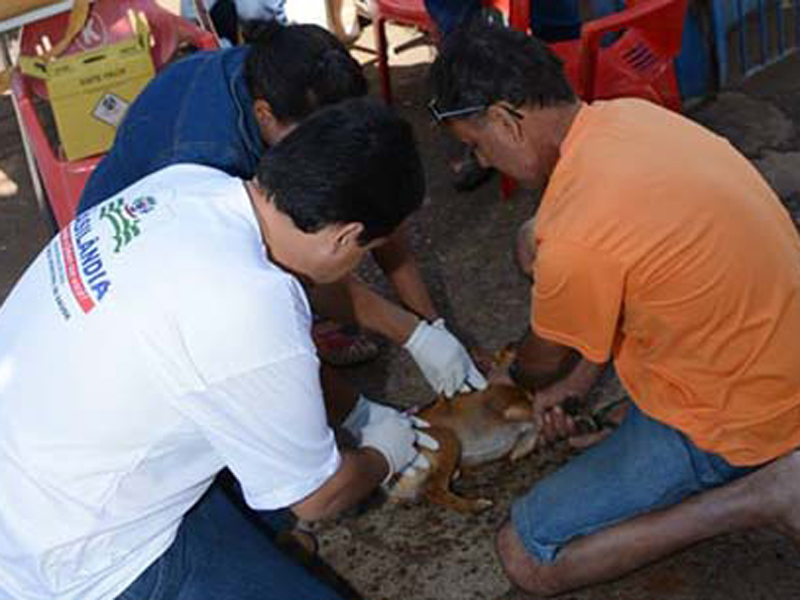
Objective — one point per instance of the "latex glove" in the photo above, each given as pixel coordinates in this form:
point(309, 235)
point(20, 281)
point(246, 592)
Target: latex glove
point(396, 438)
point(423, 439)
point(444, 362)
point(366, 412)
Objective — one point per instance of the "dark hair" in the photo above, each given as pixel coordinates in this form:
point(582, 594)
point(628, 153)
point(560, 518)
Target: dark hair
point(355, 161)
point(485, 62)
point(299, 68)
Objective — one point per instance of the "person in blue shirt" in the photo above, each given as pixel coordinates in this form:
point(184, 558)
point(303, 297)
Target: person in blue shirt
point(224, 109)
point(551, 20)
point(217, 109)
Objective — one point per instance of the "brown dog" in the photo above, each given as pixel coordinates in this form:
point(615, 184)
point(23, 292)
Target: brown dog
point(472, 429)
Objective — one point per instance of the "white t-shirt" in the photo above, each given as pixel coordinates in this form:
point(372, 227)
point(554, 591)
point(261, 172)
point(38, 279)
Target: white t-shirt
point(149, 345)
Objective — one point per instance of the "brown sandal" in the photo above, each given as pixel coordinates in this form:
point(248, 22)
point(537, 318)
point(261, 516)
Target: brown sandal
point(343, 346)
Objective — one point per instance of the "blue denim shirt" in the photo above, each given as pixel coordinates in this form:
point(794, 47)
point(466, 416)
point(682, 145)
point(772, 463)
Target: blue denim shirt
point(196, 110)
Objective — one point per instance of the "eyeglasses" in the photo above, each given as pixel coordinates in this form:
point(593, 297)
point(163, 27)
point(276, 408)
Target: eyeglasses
point(441, 115)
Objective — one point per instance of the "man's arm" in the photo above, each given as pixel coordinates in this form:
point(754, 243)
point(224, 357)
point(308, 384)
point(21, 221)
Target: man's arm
point(554, 373)
point(540, 363)
point(398, 263)
point(575, 384)
point(443, 360)
point(360, 472)
point(388, 443)
point(352, 301)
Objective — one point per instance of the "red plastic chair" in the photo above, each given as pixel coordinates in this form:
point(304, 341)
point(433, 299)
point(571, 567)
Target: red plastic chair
point(640, 62)
point(108, 22)
point(405, 12)
point(413, 12)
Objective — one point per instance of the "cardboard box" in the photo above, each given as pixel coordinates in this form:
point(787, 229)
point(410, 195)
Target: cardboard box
point(90, 91)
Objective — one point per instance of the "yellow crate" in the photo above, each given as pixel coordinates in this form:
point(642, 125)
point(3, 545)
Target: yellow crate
point(90, 91)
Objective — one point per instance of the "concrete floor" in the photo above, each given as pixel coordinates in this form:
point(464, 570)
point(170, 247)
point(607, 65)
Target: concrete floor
point(394, 552)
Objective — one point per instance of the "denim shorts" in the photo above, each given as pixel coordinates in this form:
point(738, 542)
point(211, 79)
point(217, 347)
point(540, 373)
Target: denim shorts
point(642, 466)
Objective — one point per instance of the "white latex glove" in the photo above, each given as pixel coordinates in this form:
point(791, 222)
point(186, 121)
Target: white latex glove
point(424, 441)
point(366, 412)
point(396, 438)
point(444, 362)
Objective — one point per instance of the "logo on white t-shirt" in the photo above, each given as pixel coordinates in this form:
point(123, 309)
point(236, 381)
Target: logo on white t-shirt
point(77, 257)
point(124, 218)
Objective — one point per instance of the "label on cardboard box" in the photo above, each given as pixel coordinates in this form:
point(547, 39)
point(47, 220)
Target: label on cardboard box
point(90, 91)
point(110, 109)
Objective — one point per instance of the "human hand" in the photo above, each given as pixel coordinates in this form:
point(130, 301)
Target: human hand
point(398, 438)
point(553, 421)
point(554, 424)
point(443, 360)
point(366, 412)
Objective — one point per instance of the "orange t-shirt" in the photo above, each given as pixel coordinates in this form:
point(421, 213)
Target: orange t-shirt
point(661, 246)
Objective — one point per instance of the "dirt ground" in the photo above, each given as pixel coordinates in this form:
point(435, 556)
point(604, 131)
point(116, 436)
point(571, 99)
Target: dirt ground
point(463, 241)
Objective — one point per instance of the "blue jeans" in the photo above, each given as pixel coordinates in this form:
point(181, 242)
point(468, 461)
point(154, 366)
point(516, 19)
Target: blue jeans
point(641, 467)
point(551, 20)
point(219, 554)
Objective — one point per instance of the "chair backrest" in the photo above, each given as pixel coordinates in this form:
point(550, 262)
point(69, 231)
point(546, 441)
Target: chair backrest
point(660, 24)
point(651, 39)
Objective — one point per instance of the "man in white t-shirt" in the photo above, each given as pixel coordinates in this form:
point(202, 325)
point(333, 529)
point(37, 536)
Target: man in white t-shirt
point(158, 339)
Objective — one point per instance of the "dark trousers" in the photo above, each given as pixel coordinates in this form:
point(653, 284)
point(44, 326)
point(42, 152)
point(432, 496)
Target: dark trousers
point(551, 20)
point(219, 554)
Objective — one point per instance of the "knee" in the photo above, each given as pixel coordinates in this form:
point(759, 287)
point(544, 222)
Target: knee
point(521, 568)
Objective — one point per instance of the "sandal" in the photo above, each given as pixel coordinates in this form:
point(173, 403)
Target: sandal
point(341, 345)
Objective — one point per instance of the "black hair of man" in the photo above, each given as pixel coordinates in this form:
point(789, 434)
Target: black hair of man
point(356, 161)
point(485, 62)
point(299, 68)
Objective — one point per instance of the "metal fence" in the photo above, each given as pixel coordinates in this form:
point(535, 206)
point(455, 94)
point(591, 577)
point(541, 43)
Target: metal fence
point(751, 34)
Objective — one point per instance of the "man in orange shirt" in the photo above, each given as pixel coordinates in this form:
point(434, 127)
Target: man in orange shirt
point(658, 246)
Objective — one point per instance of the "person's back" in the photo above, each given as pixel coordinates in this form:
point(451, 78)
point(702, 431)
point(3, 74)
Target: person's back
point(666, 225)
point(222, 108)
point(116, 406)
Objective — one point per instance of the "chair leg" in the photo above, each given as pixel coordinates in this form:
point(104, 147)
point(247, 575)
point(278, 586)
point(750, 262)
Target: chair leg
point(382, 47)
point(33, 170)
